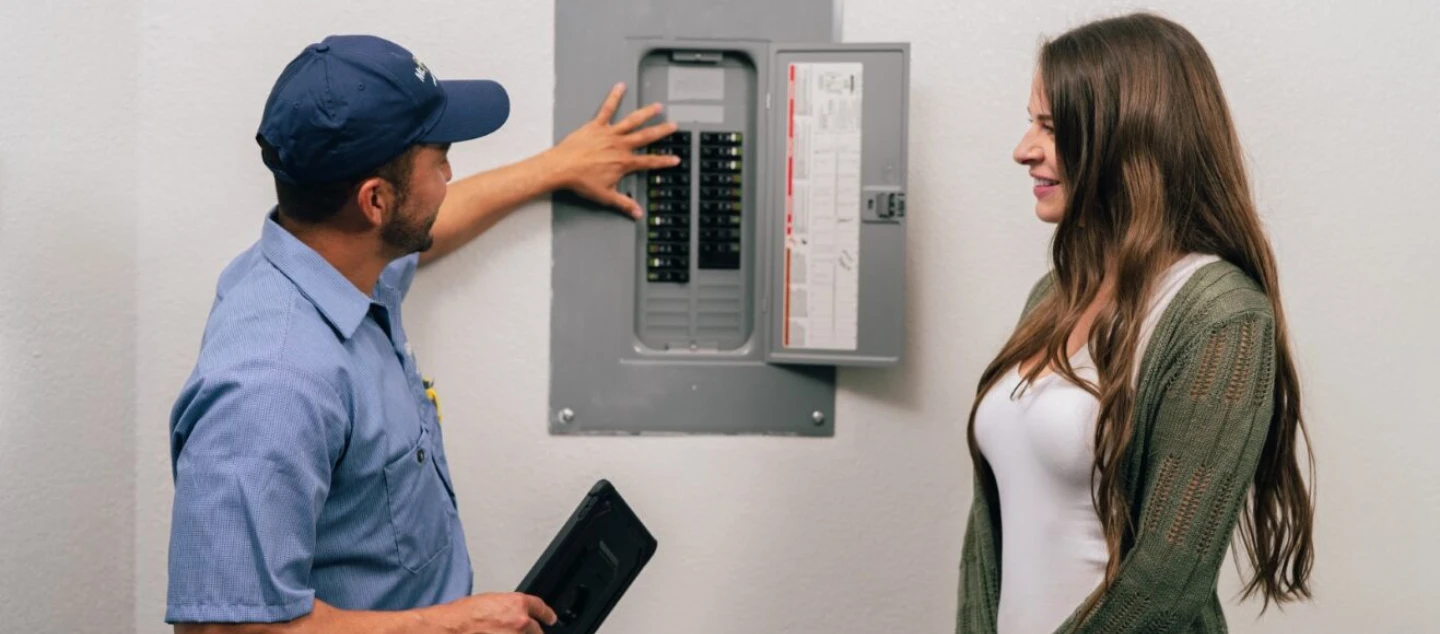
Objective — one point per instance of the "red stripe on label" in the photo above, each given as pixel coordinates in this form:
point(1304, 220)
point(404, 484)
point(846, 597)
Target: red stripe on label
point(790, 135)
point(785, 338)
point(789, 201)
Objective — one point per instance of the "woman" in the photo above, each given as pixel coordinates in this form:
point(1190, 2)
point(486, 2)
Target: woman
point(1147, 401)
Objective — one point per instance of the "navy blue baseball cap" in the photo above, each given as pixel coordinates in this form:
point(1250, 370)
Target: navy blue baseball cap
point(351, 103)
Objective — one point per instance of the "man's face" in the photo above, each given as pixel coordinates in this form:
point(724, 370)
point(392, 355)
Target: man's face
point(408, 230)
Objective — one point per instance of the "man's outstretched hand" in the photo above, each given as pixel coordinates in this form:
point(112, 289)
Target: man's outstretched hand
point(592, 159)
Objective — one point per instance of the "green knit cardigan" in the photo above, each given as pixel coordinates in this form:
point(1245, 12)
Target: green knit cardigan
point(1203, 407)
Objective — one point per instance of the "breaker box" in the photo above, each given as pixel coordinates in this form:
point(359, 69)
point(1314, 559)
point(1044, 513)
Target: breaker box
point(773, 253)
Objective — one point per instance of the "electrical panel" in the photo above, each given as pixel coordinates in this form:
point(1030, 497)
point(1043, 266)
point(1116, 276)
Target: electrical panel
point(774, 251)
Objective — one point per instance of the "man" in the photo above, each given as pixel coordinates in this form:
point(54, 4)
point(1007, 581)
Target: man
point(312, 492)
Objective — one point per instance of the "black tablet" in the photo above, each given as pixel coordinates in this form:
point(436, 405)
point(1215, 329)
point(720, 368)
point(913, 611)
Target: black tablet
point(591, 563)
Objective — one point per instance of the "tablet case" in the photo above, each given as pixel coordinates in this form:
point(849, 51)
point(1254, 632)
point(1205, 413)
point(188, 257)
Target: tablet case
point(591, 562)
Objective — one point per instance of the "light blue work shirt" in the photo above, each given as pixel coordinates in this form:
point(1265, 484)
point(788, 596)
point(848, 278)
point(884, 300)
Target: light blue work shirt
point(307, 458)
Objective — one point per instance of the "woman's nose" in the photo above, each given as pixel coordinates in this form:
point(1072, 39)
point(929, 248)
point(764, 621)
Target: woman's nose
point(1028, 151)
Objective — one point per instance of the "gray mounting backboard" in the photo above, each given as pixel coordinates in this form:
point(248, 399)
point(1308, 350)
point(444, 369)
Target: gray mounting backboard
point(608, 373)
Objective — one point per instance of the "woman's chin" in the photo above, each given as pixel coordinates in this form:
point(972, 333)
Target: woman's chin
point(1048, 214)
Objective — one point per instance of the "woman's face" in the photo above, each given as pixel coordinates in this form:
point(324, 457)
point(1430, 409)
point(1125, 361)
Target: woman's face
point(1037, 152)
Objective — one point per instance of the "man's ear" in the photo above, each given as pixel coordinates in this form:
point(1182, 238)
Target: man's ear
point(376, 200)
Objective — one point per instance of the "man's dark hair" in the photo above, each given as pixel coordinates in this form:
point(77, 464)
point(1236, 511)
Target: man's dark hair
point(317, 202)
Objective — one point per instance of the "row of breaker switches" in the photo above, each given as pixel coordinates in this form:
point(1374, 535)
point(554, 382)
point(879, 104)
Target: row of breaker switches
point(721, 199)
point(666, 200)
point(663, 178)
point(667, 244)
point(680, 194)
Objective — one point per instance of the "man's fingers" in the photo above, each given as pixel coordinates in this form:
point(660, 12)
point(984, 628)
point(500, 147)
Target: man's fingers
point(533, 628)
point(635, 119)
point(652, 162)
point(612, 103)
point(620, 201)
point(646, 136)
point(539, 611)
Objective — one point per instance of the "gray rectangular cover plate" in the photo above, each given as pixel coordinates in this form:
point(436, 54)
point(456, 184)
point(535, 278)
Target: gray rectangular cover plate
point(617, 364)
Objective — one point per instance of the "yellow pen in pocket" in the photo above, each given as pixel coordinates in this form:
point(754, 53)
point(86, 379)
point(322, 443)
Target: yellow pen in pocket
point(434, 397)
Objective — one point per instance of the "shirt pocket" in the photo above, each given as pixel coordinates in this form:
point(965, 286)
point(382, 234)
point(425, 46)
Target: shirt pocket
point(419, 506)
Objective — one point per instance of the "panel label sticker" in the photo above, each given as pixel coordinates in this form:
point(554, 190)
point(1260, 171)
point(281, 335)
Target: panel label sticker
point(687, 83)
point(822, 206)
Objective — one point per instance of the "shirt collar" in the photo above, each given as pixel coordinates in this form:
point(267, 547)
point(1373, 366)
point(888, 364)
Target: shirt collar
point(342, 305)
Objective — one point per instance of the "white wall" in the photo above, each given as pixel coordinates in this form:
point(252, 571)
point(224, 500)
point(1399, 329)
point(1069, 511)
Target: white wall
point(67, 315)
point(137, 119)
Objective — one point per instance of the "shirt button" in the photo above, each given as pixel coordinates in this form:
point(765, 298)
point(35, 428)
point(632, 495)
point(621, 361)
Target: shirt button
point(420, 456)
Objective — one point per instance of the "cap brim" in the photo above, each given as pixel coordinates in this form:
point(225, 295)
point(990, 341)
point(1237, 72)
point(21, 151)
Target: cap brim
point(473, 108)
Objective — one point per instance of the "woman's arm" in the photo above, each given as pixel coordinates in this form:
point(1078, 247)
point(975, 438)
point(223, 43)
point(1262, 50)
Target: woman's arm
point(1207, 438)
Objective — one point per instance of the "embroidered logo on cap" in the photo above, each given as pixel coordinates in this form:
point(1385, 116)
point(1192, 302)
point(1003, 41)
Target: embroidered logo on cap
point(421, 71)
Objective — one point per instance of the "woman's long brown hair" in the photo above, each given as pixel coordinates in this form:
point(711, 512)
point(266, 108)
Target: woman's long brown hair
point(1152, 168)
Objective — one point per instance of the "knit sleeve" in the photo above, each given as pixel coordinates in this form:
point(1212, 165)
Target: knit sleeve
point(1208, 433)
point(1037, 293)
point(979, 570)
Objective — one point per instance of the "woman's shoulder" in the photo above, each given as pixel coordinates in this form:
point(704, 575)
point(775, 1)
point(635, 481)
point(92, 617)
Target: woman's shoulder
point(1217, 293)
point(1218, 298)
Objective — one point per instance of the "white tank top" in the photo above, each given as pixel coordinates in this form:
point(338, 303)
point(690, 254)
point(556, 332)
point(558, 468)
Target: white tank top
point(1040, 446)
